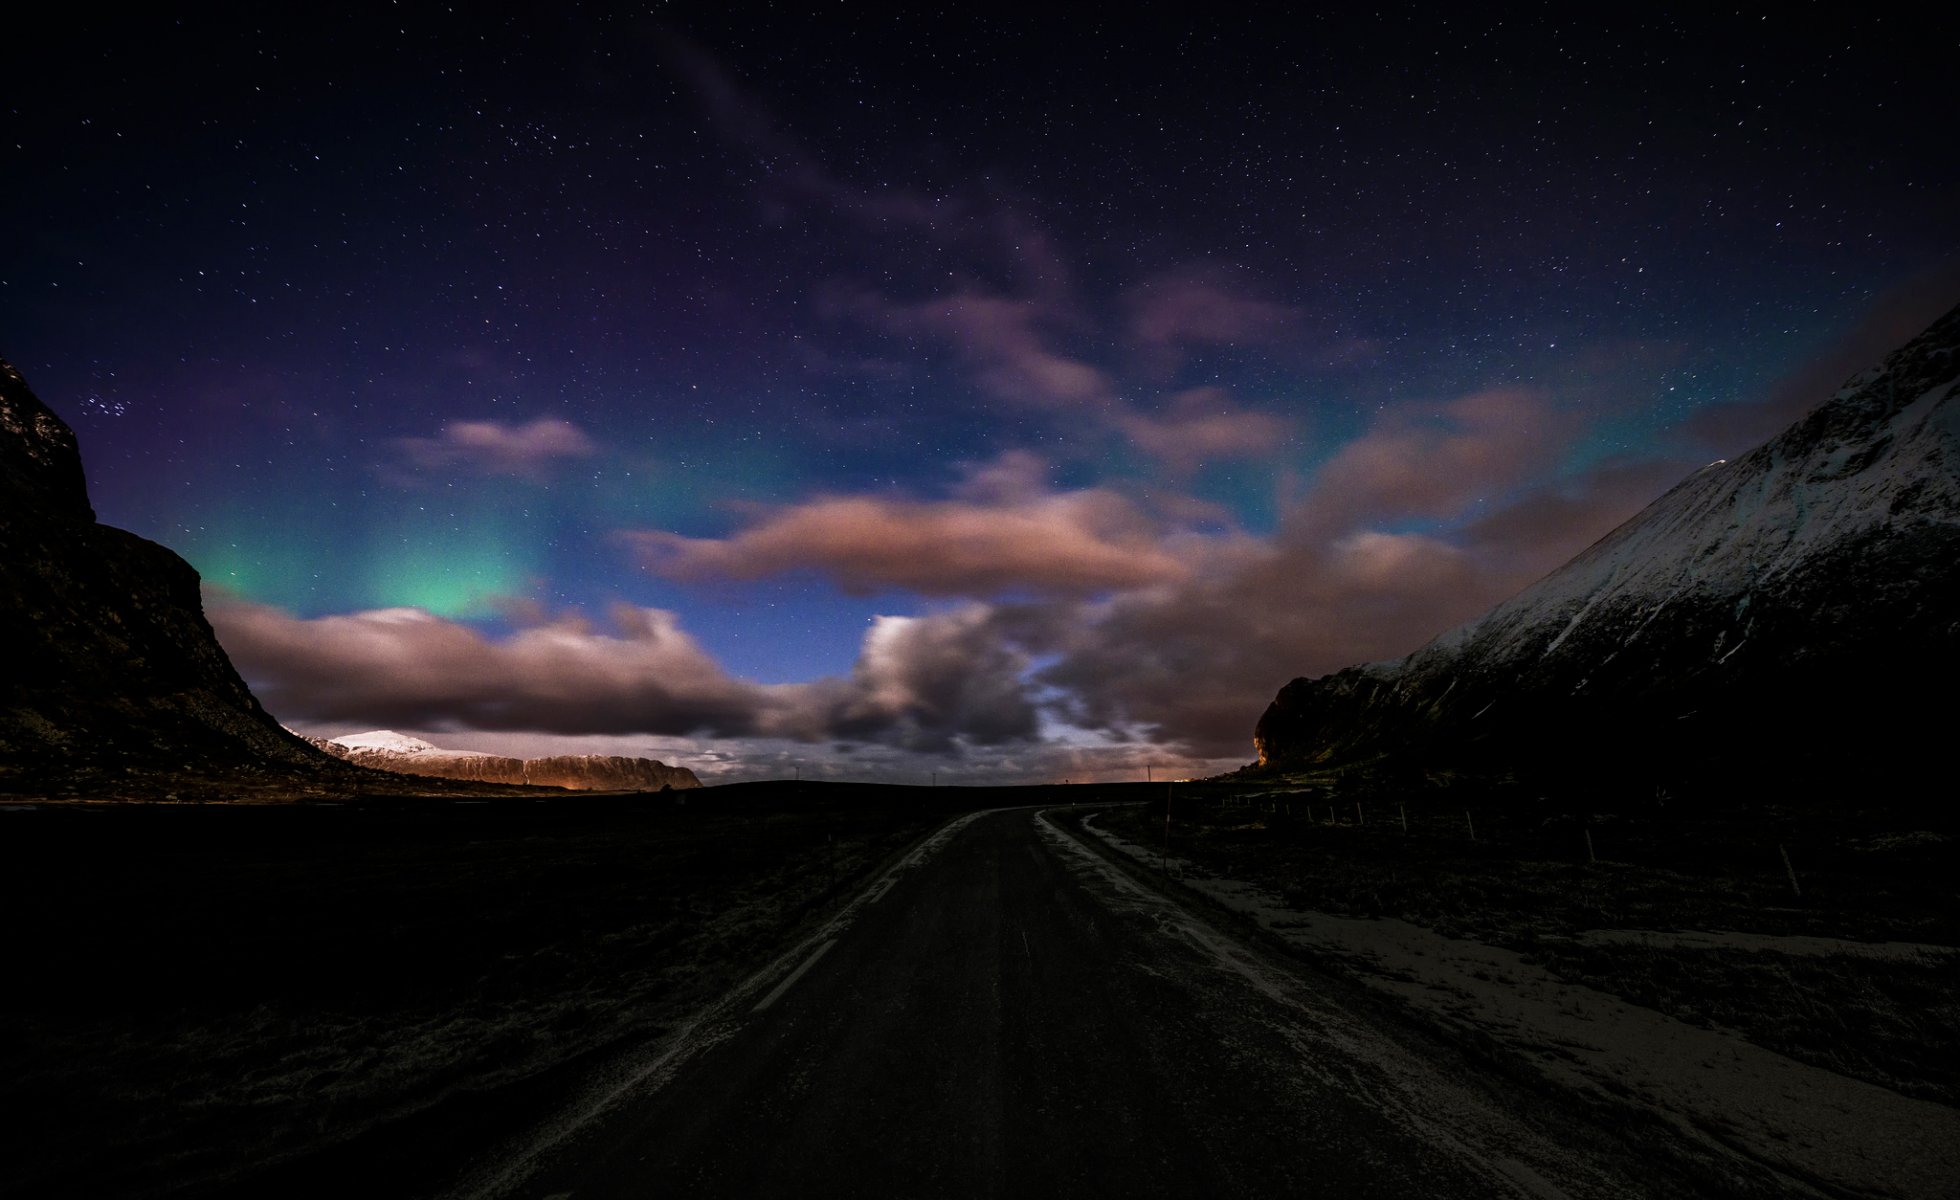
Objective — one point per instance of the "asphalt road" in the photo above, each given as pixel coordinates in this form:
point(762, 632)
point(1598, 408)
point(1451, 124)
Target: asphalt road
point(1011, 1014)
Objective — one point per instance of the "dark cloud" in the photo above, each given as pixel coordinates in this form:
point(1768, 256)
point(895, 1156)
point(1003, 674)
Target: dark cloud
point(1183, 313)
point(930, 684)
point(1014, 340)
point(407, 667)
point(1438, 461)
point(1197, 308)
point(1006, 341)
point(1153, 633)
point(1534, 535)
point(1174, 665)
point(1192, 664)
point(788, 167)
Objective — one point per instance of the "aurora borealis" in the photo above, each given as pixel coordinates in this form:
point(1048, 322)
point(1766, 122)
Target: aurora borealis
point(885, 394)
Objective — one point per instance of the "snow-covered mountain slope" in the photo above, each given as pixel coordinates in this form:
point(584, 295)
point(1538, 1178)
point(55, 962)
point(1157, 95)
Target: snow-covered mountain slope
point(1779, 609)
point(396, 743)
point(386, 750)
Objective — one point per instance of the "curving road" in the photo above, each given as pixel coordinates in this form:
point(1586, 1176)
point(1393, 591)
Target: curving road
point(1010, 1014)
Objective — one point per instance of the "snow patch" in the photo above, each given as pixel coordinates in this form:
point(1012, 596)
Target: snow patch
point(388, 739)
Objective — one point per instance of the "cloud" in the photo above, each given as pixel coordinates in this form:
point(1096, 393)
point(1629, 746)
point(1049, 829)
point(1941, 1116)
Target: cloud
point(1143, 631)
point(1194, 309)
point(745, 121)
point(981, 218)
point(1008, 343)
point(528, 451)
point(1003, 339)
point(1438, 461)
point(928, 684)
point(936, 683)
point(1204, 425)
point(1125, 639)
point(1202, 307)
point(1012, 337)
point(1004, 533)
point(404, 666)
point(1535, 534)
point(1193, 663)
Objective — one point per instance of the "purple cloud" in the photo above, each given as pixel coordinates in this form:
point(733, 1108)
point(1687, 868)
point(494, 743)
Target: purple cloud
point(1195, 309)
point(528, 451)
point(1204, 425)
point(1003, 533)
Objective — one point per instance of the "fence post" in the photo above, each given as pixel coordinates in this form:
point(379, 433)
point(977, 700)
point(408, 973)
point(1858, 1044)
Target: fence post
point(1169, 789)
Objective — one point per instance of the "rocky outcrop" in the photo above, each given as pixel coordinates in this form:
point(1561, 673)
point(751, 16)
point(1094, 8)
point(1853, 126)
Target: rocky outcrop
point(1778, 616)
point(606, 773)
point(385, 750)
point(111, 681)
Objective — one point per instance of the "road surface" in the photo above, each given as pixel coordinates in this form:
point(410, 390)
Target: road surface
point(1009, 1013)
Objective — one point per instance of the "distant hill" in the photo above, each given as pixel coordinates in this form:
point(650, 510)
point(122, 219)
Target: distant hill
point(1791, 616)
point(386, 750)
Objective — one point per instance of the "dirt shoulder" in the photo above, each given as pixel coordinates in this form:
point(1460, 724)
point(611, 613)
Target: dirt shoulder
point(1675, 1023)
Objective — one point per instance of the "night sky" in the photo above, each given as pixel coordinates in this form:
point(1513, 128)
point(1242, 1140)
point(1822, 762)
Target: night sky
point(875, 395)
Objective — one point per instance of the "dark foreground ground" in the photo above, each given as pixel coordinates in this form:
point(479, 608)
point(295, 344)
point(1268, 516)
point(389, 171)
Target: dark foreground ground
point(198, 993)
point(566, 996)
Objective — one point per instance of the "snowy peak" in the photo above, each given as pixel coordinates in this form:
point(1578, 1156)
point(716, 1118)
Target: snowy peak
point(388, 739)
point(1876, 460)
point(1735, 618)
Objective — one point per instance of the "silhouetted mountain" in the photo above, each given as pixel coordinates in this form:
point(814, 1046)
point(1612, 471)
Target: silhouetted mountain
point(111, 682)
point(386, 750)
point(1782, 616)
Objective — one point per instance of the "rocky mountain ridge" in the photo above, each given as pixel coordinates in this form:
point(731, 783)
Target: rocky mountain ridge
point(113, 683)
point(386, 750)
point(1777, 614)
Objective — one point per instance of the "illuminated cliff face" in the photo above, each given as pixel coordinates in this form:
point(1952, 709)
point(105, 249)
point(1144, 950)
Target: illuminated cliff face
point(385, 750)
point(1770, 610)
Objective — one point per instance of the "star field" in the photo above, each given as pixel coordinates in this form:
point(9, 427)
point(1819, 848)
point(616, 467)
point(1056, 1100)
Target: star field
point(894, 392)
